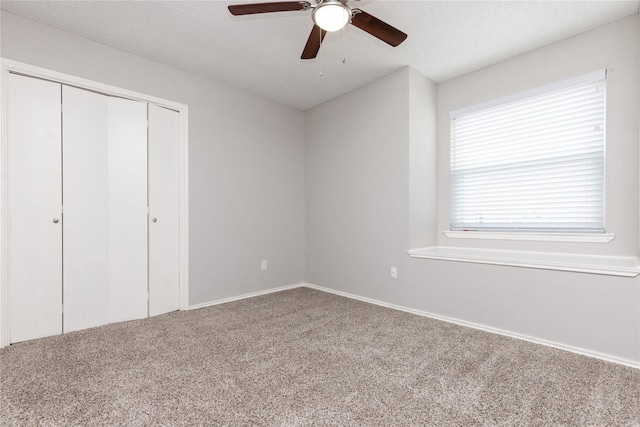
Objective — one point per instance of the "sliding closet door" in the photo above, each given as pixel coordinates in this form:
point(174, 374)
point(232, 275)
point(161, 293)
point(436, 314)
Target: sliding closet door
point(127, 209)
point(164, 213)
point(85, 198)
point(35, 220)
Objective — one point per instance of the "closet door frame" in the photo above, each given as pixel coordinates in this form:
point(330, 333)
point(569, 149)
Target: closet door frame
point(9, 66)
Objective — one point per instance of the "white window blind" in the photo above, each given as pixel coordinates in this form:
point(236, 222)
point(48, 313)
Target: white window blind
point(533, 161)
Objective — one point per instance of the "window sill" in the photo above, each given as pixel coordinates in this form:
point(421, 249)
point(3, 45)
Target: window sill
point(606, 265)
point(540, 237)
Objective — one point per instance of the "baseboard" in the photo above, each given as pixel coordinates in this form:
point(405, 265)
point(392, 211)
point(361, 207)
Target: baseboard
point(243, 296)
point(473, 325)
point(534, 340)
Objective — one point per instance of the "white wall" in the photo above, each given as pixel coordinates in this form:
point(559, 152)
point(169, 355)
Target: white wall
point(246, 160)
point(358, 225)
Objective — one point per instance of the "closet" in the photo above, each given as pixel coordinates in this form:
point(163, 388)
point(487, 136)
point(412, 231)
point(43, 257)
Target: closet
point(93, 202)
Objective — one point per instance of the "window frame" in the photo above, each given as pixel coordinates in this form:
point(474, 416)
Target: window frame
point(526, 233)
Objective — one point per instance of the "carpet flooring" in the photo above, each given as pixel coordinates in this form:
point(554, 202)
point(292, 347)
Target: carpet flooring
point(305, 357)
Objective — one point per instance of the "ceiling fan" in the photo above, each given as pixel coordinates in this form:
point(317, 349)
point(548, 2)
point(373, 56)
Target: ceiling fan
point(327, 15)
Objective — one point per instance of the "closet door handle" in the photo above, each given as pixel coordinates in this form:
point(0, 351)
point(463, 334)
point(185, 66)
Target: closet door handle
point(56, 220)
point(155, 220)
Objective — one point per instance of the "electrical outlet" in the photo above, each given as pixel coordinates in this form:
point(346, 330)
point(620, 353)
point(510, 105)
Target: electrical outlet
point(394, 272)
point(263, 266)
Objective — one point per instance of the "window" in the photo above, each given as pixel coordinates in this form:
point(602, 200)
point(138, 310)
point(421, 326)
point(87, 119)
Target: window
point(533, 161)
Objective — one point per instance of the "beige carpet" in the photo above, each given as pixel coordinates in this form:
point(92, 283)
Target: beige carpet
point(304, 357)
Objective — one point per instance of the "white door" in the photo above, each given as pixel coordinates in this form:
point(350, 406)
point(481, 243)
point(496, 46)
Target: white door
point(34, 195)
point(127, 173)
point(85, 201)
point(164, 212)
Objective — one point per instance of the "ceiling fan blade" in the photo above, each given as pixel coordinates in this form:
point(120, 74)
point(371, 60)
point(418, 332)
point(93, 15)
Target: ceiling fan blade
point(377, 28)
point(279, 6)
point(313, 43)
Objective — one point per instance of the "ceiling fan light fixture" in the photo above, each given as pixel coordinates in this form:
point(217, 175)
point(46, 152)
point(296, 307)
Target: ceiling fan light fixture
point(332, 15)
point(327, 15)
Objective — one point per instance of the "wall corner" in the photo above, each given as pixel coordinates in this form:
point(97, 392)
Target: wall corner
point(423, 177)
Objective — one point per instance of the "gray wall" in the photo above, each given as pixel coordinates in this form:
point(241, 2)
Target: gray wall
point(246, 160)
point(357, 163)
point(367, 184)
point(359, 166)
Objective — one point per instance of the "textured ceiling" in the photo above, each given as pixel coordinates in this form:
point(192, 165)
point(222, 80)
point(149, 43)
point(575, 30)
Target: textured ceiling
point(260, 54)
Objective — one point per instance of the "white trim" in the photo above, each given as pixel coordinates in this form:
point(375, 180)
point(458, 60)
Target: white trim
point(5, 307)
point(594, 264)
point(534, 340)
point(43, 73)
point(184, 207)
point(532, 237)
point(7, 66)
point(244, 296)
point(573, 81)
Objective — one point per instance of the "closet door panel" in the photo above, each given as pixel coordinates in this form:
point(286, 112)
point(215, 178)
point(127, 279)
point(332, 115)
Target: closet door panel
point(85, 199)
point(164, 212)
point(127, 210)
point(34, 196)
